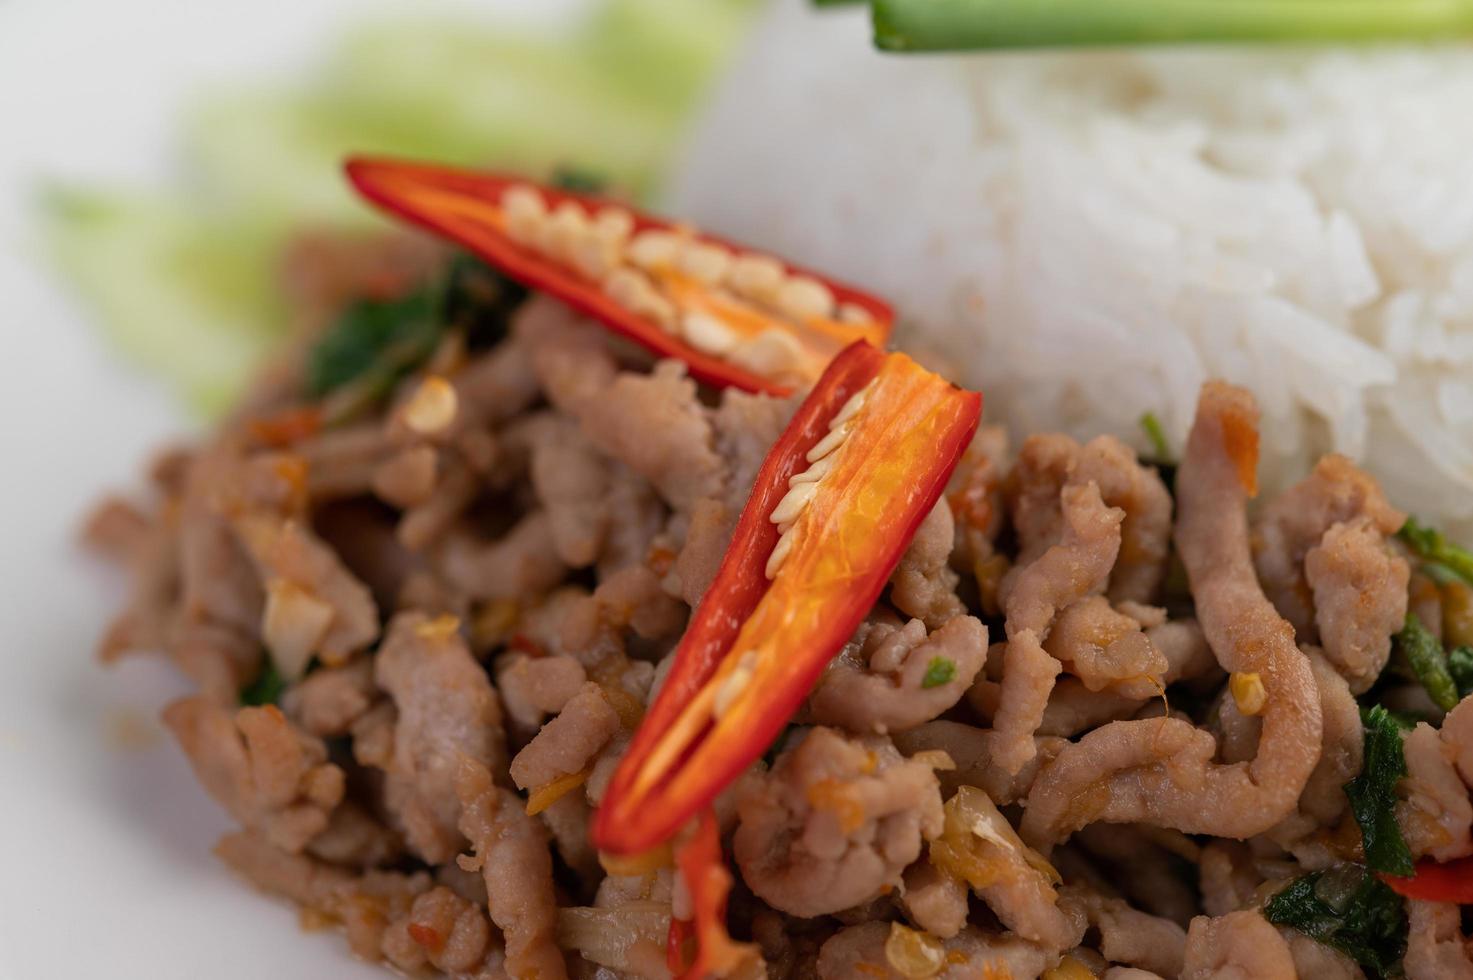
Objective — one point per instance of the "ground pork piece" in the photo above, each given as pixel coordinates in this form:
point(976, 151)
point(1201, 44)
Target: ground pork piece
point(309, 883)
point(1360, 598)
point(859, 951)
point(374, 910)
point(532, 688)
point(1457, 732)
point(1236, 946)
point(1074, 708)
point(1042, 469)
point(1161, 772)
point(1316, 961)
point(632, 598)
point(969, 752)
point(656, 425)
point(571, 481)
point(290, 557)
point(116, 529)
point(353, 838)
point(934, 900)
point(1128, 935)
point(975, 493)
point(707, 536)
point(834, 823)
point(1106, 649)
point(1296, 521)
point(636, 517)
point(979, 845)
point(510, 850)
point(1048, 463)
point(1145, 534)
point(889, 678)
point(569, 355)
point(1434, 812)
point(1227, 877)
point(522, 564)
point(218, 658)
point(271, 777)
point(1142, 870)
point(453, 932)
point(326, 702)
point(1185, 648)
point(447, 713)
point(568, 743)
point(495, 386)
point(408, 477)
point(923, 585)
point(428, 521)
point(1128, 973)
point(342, 461)
point(1323, 801)
point(1077, 566)
point(746, 427)
point(1436, 946)
point(567, 819)
point(146, 622)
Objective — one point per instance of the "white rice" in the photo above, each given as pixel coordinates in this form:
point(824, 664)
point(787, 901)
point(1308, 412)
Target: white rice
point(1089, 236)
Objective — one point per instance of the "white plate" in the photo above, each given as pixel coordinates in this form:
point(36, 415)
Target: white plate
point(105, 864)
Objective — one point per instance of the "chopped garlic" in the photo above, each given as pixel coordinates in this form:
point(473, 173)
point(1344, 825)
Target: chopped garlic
point(431, 410)
point(1248, 693)
point(293, 623)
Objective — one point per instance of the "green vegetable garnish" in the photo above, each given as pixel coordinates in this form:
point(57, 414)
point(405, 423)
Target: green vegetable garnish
point(1161, 452)
point(961, 25)
point(1428, 544)
point(1373, 794)
point(479, 300)
point(265, 689)
point(1424, 653)
point(1348, 909)
point(1460, 666)
point(939, 671)
point(578, 180)
point(375, 342)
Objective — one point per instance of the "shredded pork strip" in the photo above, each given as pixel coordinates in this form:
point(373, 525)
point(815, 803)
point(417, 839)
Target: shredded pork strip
point(1161, 771)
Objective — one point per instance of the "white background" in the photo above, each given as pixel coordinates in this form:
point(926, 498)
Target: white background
point(105, 868)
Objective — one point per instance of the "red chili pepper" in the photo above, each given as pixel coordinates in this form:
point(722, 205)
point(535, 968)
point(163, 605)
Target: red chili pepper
point(467, 207)
point(755, 646)
point(708, 882)
point(1450, 881)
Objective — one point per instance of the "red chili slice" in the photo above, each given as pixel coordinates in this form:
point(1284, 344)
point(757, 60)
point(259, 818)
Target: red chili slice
point(730, 330)
point(755, 646)
point(708, 882)
point(1450, 881)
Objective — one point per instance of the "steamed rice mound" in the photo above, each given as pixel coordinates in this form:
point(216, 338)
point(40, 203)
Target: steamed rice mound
point(1089, 236)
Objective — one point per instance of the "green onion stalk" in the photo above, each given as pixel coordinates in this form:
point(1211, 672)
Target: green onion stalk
point(963, 25)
